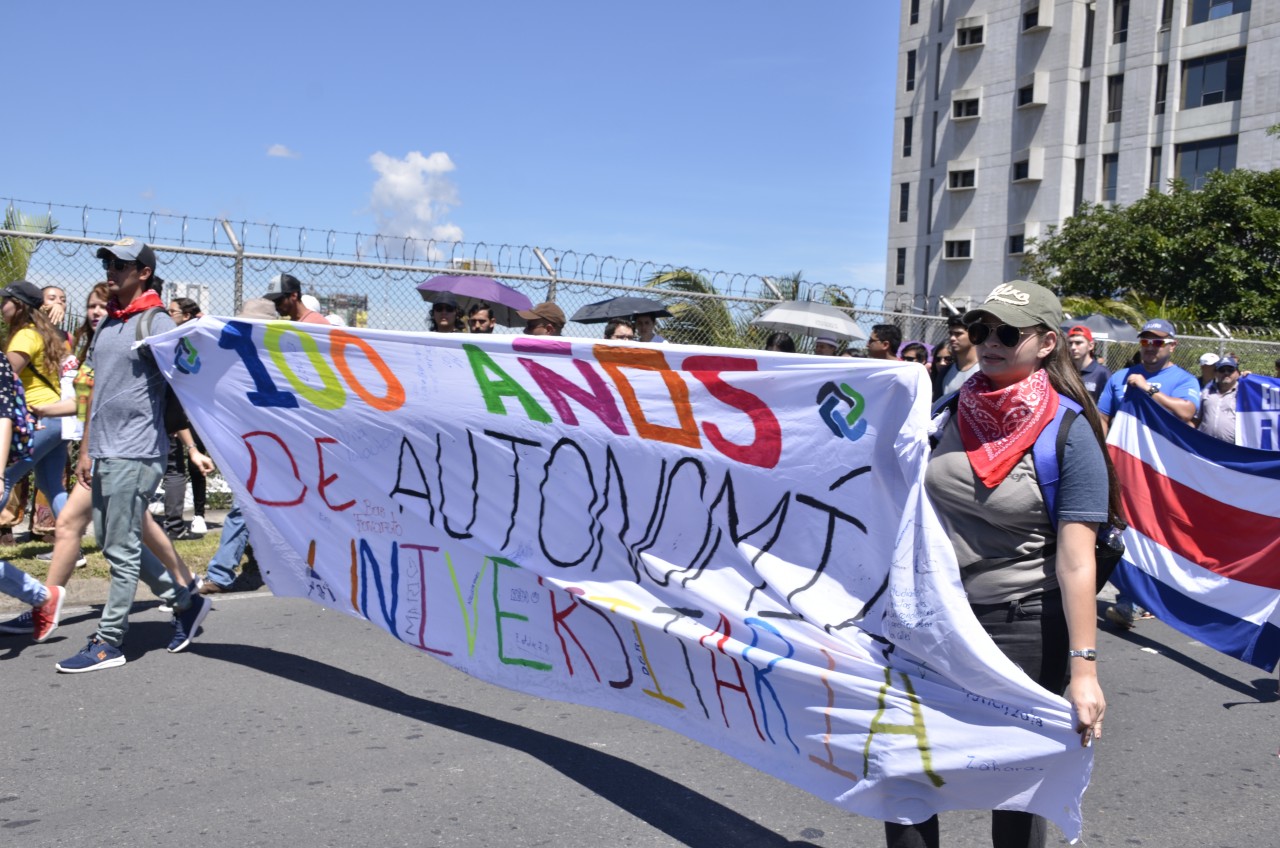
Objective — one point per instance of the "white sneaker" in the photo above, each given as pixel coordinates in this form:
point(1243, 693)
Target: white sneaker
point(198, 525)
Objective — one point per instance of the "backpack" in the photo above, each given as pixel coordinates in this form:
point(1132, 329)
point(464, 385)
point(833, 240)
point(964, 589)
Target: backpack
point(175, 417)
point(20, 444)
point(1046, 456)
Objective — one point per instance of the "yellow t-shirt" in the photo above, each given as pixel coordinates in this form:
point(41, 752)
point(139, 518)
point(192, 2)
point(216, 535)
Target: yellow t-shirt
point(28, 341)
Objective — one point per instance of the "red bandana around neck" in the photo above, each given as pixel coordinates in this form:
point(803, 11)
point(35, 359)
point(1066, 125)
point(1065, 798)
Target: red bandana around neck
point(998, 426)
point(141, 303)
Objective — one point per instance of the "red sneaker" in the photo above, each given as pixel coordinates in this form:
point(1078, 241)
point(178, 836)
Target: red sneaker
point(44, 618)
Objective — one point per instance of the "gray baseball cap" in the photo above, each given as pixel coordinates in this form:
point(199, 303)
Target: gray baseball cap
point(130, 250)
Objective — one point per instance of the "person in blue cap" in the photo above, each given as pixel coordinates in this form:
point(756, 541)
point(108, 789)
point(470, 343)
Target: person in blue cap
point(1175, 389)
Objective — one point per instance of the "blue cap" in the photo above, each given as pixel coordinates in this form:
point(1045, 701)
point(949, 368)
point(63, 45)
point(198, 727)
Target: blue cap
point(1227, 362)
point(1159, 325)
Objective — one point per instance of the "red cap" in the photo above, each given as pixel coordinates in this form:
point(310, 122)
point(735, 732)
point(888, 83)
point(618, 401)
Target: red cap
point(1080, 330)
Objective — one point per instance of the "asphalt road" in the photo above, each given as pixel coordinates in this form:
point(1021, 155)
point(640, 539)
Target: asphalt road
point(288, 725)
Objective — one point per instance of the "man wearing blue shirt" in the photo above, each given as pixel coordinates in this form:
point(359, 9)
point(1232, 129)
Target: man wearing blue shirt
point(1168, 385)
point(1174, 388)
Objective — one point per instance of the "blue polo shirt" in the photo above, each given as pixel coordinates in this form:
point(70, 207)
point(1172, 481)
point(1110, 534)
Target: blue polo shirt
point(1095, 377)
point(1171, 380)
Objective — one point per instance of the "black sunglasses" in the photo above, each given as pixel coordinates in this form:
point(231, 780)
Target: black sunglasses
point(1007, 334)
point(443, 308)
point(110, 263)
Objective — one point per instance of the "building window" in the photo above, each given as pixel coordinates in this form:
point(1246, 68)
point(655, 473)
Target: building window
point(933, 142)
point(1115, 97)
point(1162, 87)
point(1089, 16)
point(915, 12)
point(1077, 197)
point(900, 274)
point(1031, 18)
point(908, 130)
point(960, 180)
point(1027, 95)
point(1120, 22)
point(970, 36)
point(911, 70)
point(937, 71)
point(1166, 15)
point(928, 215)
point(1028, 165)
point(904, 202)
point(963, 109)
point(1157, 169)
point(1211, 10)
point(1017, 244)
point(1196, 160)
point(1212, 79)
point(1110, 177)
point(958, 249)
point(1082, 132)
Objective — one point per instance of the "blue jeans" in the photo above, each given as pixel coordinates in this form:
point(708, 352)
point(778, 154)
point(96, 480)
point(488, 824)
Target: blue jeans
point(19, 584)
point(49, 459)
point(235, 538)
point(122, 488)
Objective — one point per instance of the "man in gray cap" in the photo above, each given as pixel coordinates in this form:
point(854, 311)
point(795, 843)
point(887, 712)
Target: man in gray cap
point(122, 456)
point(1175, 389)
point(286, 293)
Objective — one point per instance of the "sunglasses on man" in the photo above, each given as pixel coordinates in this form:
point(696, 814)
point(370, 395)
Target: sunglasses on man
point(1154, 342)
point(1007, 334)
point(110, 263)
point(1225, 369)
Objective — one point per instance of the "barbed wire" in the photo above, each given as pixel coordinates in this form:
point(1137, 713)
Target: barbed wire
point(274, 242)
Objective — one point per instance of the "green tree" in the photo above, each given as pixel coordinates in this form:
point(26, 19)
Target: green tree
point(15, 251)
point(1211, 254)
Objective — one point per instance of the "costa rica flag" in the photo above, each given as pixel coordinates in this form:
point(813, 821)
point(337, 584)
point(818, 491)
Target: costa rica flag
point(1203, 544)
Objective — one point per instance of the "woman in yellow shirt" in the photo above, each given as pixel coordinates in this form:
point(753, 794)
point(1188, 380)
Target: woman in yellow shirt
point(36, 351)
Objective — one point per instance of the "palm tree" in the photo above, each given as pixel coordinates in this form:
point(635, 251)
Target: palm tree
point(699, 314)
point(15, 251)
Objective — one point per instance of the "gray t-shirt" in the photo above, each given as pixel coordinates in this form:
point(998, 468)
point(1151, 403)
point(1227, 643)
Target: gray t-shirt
point(127, 416)
point(956, 378)
point(1000, 534)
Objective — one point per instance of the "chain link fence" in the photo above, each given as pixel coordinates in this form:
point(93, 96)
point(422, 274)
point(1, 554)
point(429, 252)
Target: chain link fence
point(371, 280)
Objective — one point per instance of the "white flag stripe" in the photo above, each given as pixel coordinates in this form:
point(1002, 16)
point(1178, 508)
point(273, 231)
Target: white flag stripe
point(1259, 495)
point(1244, 601)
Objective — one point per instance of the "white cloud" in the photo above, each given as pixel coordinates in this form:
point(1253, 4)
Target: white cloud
point(867, 274)
point(412, 196)
point(282, 152)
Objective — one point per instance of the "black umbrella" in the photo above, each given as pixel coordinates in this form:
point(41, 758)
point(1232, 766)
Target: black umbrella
point(619, 307)
point(1104, 328)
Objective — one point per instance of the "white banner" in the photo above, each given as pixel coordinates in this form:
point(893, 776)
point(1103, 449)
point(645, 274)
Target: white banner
point(733, 544)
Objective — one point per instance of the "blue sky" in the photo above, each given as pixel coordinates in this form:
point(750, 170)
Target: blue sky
point(746, 136)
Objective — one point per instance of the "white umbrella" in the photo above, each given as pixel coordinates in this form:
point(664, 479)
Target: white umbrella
point(809, 319)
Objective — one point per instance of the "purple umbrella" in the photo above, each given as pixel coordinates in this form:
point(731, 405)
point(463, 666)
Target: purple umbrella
point(504, 300)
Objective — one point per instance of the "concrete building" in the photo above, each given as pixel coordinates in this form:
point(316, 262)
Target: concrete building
point(1010, 113)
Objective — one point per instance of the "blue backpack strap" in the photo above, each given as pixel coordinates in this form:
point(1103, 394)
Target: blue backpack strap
point(1047, 454)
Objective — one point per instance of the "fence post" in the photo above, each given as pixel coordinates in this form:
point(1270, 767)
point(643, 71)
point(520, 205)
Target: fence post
point(551, 286)
point(239, 287)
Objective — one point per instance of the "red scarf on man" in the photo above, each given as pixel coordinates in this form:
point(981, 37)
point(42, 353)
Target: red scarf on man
point(998, 426)
point(141, 303)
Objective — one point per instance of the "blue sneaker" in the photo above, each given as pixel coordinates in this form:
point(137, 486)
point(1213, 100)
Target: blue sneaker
point(96, 655)
point(187, 622)
point(21, 625)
